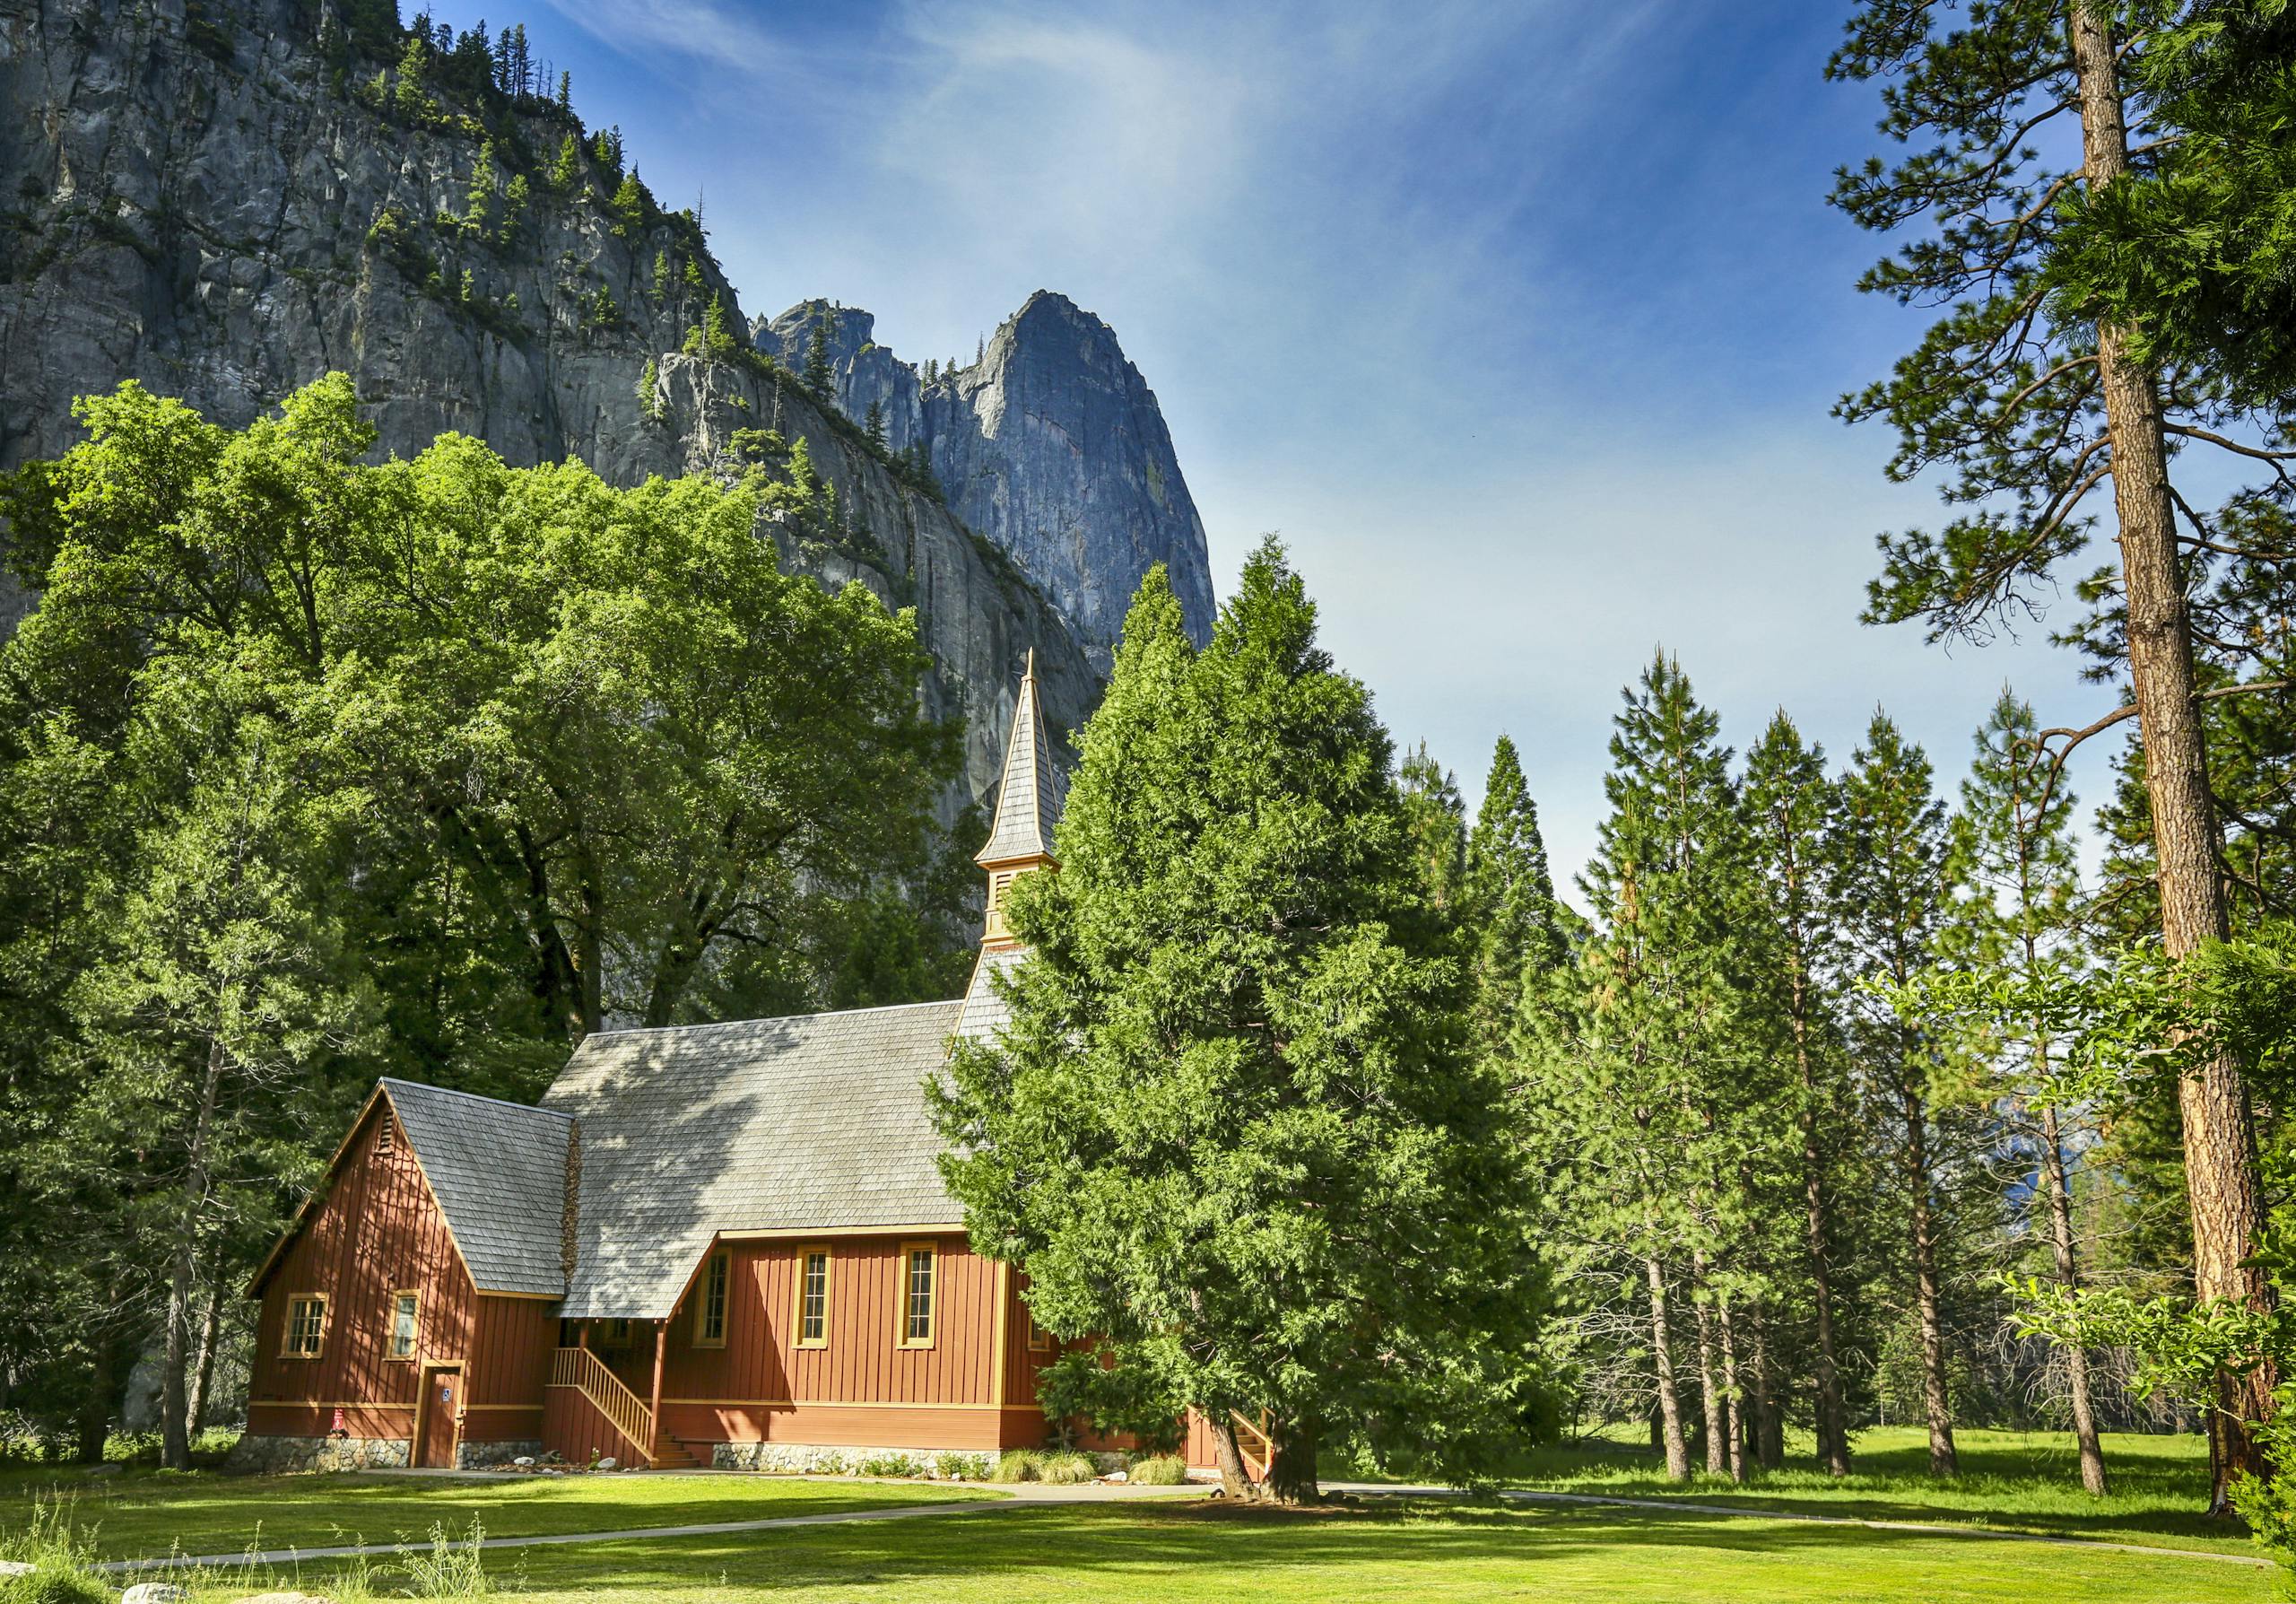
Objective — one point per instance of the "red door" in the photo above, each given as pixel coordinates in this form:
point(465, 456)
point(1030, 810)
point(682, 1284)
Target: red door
point(437, 1432)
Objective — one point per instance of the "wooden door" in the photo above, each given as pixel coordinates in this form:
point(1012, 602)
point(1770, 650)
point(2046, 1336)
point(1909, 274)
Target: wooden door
point(438, 1431)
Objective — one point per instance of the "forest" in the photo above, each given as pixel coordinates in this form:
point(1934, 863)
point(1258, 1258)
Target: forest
point(1832, 1093)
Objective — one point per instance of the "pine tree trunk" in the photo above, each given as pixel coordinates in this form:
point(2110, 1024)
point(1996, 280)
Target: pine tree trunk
point(1709, 1383)
point(1936, 1401)
point(210, 1335)
point(1832, 1422)
point(1768, 1435)
point(1732, 1398)
point(1662, 1353)
point(2068, 1275)
point(2219, 1146)
point(175, 1440)
point(94, 1421)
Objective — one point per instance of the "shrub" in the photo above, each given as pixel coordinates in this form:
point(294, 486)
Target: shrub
point(949, 1466)
point(1066, 1469)
point(889, 1464)
point(1157, 1470)
point(1014, 1464)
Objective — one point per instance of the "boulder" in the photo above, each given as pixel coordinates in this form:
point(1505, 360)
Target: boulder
point(525, 1461)
point(609, 1463)
point(156, 1592)
point(289, 1597)
point(15, 1567)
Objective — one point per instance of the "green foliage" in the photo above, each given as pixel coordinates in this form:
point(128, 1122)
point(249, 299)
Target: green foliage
point(659, 286)
point(710, 338)
point(317, 767)
point(481, 195)
point(891, 1464)
point(515, 202)
point(1436, 820)
point(650, 404)
point(634, 206)
point(821, 377)
point(63, 1557)
point(1231, 1127)
point(1519, 929)
point(409, 100)
point(566, 171)
point(1121, 1394)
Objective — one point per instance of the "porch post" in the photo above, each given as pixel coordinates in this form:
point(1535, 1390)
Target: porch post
point(661, 1354)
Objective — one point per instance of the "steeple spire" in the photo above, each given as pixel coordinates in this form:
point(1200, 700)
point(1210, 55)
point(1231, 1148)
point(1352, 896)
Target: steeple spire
point(1027, 805)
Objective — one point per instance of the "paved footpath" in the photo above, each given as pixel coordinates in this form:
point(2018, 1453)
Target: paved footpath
point(1026, 1494)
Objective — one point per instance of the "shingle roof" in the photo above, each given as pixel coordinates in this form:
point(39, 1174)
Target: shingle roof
point(499, 1172)
point(985, 1012)
point(1029, 801)
point(817, 1122)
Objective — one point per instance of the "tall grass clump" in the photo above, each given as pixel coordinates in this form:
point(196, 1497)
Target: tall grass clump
point(446, 1569)
point(1066, 1469)
point(1156, 1470)
point(1015, 1464)
point(63, 1557)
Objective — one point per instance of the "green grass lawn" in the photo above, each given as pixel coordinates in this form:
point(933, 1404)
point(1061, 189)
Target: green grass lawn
point(2009, 1481)
point(1117, 1553)
point(141, 1514)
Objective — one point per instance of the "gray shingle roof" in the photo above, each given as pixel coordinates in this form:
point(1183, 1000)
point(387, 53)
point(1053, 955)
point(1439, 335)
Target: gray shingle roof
point(815, 1123)
point(1029, 801)
point(985, 1012)
point(499, 1172)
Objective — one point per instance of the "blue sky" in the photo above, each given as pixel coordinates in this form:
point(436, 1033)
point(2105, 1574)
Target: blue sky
point(1520, 322)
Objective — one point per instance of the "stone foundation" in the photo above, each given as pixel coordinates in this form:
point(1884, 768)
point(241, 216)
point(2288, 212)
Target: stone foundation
point(274, 1456)
point(482, 1456)
point(811, 1459)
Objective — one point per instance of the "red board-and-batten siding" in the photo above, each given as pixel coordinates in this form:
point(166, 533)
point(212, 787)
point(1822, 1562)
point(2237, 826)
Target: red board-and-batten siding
point(863, 1387)
point(378, 1231)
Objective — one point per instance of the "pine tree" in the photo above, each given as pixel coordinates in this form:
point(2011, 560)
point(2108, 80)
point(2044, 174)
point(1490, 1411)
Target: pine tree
point(632, 206)
point(409, 98)
point(567, 171)
point(566, 94)
point(2012, 849)
point(1890, 893)
point(1790, 812)
point(660, 286)
point(2033, 392)
point(480, 196)
point(1436, 820)
point(515, 202)
point(1518, 925)
point(1629, 1065)
point(1229, 1130)
point(875, 425)
point(819, 376)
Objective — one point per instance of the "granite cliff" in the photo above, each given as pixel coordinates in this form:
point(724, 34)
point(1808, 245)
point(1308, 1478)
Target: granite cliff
point(226, 199)
point(1050, 444)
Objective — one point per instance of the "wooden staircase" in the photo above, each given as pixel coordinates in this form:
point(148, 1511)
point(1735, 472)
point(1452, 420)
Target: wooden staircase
point(681, 1453)
point(624, 1410)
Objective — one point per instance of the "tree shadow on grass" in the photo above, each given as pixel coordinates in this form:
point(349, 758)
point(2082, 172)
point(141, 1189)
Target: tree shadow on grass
point(1050, 1551)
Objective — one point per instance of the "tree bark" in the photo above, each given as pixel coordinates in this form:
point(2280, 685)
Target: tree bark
point(1732, 1396)
point(1235, 1481)
point(2068, 1275)
point(175, 1439)
point(211, 1333)
point(96, 1402)
point(1711, 1402)
point(1833, 1422)
point(1662, 1353)
point(2219, 1146)
point(1936, 1403)
point(1292, 1462)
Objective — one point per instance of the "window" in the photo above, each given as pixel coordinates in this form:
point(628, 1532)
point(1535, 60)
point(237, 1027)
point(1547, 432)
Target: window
point(917, 1270)
point(1040, 1340)
point(618, 1333)
point(710, 1313)
point(404, 1306)
point(306, 1327)
point(386, 1135)
point(812, 1298)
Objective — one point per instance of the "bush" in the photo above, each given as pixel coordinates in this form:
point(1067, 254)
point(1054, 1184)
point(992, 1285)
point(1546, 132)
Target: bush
point(1066, 1469)
point(1015, 1464)
point(55, 1583)
point(950, 1467)
point(888, 1464)
point(1157, 1470)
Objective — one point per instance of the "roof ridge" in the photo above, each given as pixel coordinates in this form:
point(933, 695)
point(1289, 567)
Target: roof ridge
point(719, 1024)
point(424, 1085)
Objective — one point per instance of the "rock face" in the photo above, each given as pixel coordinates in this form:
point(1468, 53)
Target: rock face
point(1051, 445)
point(220, 200)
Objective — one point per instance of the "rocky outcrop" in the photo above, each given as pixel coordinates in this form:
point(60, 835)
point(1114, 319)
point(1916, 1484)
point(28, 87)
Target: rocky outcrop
point(1050, 445)
point(225, 199)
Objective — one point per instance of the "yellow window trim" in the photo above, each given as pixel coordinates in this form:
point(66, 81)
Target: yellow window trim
point(902, 1338)
point(1040, 1340)
point(797, 1338)
point(414, 1332)
point(717, 1265)
point(287, 1348)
